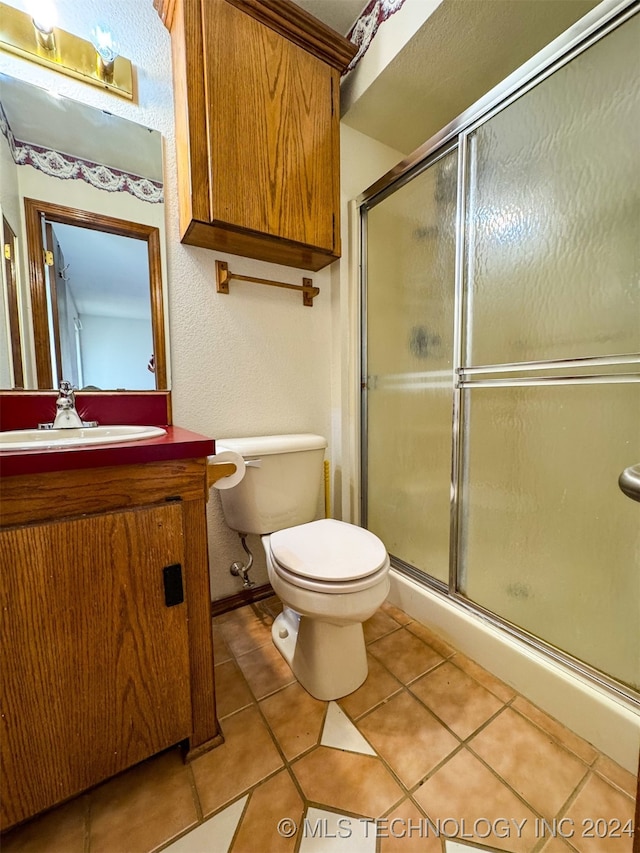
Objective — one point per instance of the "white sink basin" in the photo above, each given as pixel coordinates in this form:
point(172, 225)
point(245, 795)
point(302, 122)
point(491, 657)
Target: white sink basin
point(41, 439)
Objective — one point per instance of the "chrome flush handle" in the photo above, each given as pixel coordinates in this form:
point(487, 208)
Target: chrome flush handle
point(629, 482)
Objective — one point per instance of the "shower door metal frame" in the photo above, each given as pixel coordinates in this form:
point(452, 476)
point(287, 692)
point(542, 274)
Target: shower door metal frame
point(590, 29)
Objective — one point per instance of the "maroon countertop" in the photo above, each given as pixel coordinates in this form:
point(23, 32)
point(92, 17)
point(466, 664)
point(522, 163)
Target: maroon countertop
point(178, 443)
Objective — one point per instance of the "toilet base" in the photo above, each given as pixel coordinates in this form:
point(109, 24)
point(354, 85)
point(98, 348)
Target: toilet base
point(329, 661)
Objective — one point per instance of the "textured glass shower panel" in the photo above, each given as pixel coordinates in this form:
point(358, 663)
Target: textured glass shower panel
point(553, 201)
point(549, 542)
point(410, 268)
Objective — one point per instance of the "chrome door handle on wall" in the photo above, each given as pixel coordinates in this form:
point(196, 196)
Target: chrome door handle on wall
point(629, 482)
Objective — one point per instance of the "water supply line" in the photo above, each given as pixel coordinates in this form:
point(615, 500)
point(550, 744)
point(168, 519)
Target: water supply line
point(238, 569)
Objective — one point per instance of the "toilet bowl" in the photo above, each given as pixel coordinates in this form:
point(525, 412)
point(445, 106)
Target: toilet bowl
point(331, 576)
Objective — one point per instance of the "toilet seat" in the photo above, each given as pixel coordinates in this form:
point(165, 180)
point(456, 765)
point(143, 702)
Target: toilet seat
point(329, 556)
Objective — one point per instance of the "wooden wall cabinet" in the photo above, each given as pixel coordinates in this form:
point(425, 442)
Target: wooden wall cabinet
point(102, 664)
point(256, 87)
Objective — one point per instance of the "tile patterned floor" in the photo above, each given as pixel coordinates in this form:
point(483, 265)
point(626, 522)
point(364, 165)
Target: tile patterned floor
point(432, 754)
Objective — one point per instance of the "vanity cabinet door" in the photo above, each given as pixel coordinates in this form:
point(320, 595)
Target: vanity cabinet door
point(95, 665)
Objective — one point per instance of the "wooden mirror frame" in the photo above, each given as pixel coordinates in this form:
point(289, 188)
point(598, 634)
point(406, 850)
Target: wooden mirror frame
point(34, 209)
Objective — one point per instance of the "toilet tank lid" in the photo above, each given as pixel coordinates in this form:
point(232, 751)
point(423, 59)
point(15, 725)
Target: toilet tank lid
point(266, 445)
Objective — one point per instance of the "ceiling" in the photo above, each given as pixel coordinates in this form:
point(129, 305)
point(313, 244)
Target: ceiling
point(463, 50)
point(337, 14)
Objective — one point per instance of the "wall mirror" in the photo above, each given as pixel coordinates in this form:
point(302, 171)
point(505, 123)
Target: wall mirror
point(81, 201)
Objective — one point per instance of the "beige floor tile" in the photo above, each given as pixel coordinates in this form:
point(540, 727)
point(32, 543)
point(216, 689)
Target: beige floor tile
point(455, 697)
point(399, 615)
point(295, 718)
point(620, 777)
point(557, 845)
point(405, 655)
point(61, 830)
point(404, 830)
point(246, 757)
point(247, 628)
point(464, 791)
point(275, 799)
point(144, 807)
point(431, 639)
point(379, 685)
point(408, 737)
point(265, 670)
point(600, 802)
point(487, 679)
point(232, 692)
point(271, 606)
point(347, 781)
point(561, 733)
point(540, 770)
point(221, 651)
point(378, 626)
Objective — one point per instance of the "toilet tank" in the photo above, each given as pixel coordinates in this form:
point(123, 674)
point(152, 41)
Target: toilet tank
point(281, 485)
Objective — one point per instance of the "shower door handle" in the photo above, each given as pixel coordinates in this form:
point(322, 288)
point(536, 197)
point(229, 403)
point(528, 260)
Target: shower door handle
point(629, 482)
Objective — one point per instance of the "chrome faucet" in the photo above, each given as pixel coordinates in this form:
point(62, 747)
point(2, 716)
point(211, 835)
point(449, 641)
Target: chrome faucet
point(67, 416)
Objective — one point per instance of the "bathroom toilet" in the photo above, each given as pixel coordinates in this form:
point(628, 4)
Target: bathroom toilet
point(330, 576)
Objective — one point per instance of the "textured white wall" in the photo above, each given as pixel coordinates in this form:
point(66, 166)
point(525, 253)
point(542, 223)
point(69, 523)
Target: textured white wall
point(255, 361)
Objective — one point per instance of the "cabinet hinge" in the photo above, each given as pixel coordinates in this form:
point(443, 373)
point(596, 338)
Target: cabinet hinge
point(332, 97)
point(7, 251)
point(47, 258)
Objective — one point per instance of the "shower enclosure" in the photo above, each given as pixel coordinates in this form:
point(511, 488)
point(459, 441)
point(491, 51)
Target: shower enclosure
point(501, 356)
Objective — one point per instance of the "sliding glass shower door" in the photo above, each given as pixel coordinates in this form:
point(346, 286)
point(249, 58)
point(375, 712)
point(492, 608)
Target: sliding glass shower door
point(503, 362)
point(549, 542)
point(410, 305)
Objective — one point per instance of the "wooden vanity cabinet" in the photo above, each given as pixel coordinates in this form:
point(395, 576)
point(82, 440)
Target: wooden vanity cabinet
point(257, 128)
point(106, 627)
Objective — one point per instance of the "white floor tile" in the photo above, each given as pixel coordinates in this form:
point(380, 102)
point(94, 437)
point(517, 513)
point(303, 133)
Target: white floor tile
point(340, 733)
point(330, 832)
point(212, 836)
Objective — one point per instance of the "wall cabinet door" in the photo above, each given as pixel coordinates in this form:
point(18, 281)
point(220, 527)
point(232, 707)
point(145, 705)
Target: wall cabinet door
point(271, 130)
point(96, 665)
point(257, 128)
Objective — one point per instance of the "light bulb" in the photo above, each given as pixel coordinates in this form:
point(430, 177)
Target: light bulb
point(107, 51)
point(43, 15)
point(104, 44)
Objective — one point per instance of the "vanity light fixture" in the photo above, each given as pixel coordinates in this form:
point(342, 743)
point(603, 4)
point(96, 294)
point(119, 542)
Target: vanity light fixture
point(35, 37)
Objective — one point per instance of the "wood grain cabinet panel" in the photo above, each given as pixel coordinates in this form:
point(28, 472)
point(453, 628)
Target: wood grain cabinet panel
point(257, 127)
point(103, 663)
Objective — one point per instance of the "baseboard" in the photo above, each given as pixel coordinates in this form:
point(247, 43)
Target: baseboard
point(239, 599)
